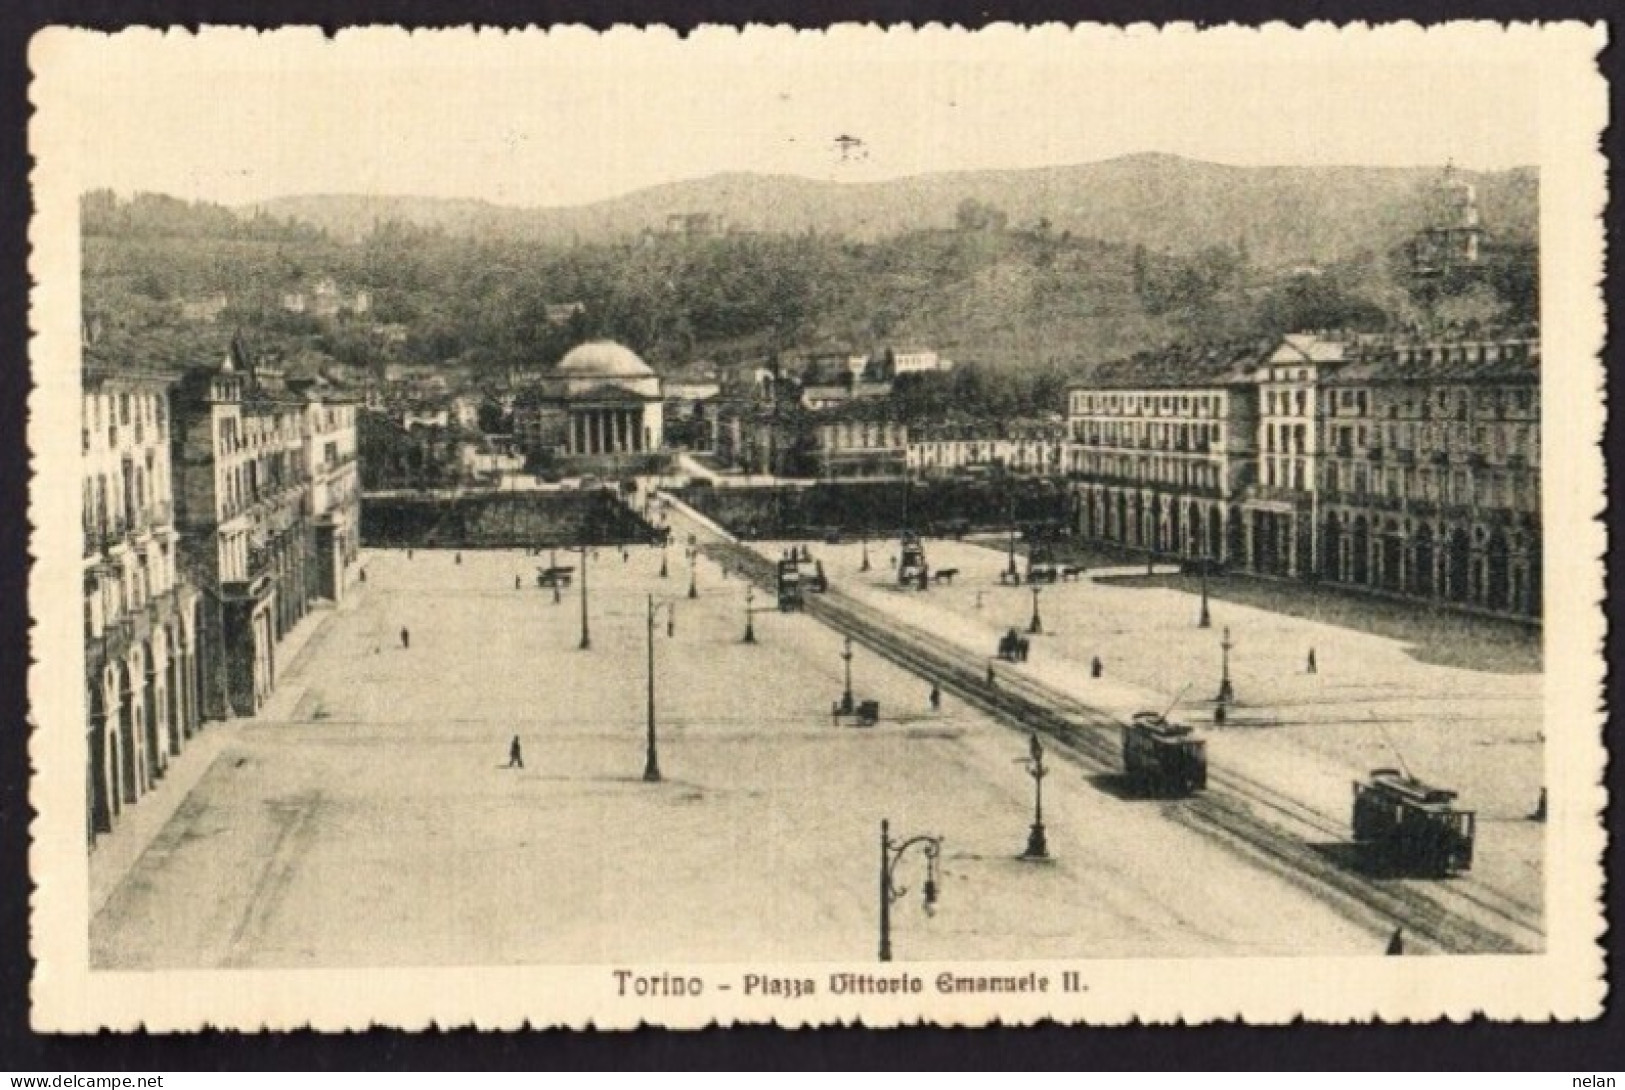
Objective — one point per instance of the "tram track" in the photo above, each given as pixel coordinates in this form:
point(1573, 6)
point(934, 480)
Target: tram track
point(1458, 915)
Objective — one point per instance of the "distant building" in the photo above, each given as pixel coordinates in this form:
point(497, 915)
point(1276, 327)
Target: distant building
point(601, 405)
point(696, 224)
point(325, 299)
point(204, 308)
point(1025, 447)
point(860, 448)
point(909, 360)
point(1452, 237)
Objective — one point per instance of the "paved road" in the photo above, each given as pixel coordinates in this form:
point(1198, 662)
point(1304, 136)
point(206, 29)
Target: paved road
point(367, 818)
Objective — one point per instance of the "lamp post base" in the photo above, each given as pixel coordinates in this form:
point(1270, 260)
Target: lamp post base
point(1036, 627)
point(750, 632)
point(651, 773)
point(1227, 695)
point(1037, 845)
point(848, 705)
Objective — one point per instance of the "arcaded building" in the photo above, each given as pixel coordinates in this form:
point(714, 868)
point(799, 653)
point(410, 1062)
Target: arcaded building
point(141, 640)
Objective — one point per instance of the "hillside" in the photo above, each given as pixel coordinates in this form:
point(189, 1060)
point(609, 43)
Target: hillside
point(1286, 216)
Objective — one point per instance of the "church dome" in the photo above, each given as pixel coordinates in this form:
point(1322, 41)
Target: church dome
point(603, 360)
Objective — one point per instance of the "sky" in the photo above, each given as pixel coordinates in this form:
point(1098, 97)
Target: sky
point(571, 117)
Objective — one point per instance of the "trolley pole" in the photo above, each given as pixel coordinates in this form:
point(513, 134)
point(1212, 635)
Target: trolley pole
point(1204, 620)
point(586, 636)
point(651, 758)
point(847, 703)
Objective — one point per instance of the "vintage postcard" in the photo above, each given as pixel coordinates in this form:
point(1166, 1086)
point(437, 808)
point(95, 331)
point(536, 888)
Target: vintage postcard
point(878, 525)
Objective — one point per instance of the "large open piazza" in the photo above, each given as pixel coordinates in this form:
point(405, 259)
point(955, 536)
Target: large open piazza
point(367, 816)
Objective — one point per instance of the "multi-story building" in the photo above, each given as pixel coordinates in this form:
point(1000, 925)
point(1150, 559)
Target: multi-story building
point(1431, 486)
point(1409, 468)
point(141, 639)
point(334, 469)
point(860, 447)
point(1024, 446)
point(243, 458)
point(1163, 450)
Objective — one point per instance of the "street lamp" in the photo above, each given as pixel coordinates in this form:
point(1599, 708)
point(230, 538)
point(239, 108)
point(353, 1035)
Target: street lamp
point(1036, 625)
point(553, 571)
point(750, 620)
point(1227, 694)
point(586, 637)
point(651, 757)
point(693, 561)
point(847, 703)
point(865, 565)
point(1037, 845)
point(890, 892)
point(663, 545)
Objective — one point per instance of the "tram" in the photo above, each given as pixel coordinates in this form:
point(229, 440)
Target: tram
point(1411, 826)
point(1162, 758)
point(790, 584)
point(911, 563)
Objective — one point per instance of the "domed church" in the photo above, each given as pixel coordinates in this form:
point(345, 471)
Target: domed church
point(600, 402)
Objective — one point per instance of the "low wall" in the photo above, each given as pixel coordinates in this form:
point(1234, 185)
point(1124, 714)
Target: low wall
point(881, 508)
point(499, 520)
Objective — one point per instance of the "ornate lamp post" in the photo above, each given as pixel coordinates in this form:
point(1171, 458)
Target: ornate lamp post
point(553, 565)
point(586, 636)
point(693, 561)
point(663, 572)
point(1037, 845)
point(651, 756)
point(890, 892)
point(1227, 694)
point(865, 565)
point(1036, 625)
point(750, 620)
point(847, 703)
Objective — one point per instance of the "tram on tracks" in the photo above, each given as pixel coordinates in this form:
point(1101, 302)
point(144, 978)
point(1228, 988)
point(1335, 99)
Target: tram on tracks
point(911, 566)
point(1411, 826)
point(1163, 758)
point(791, 586)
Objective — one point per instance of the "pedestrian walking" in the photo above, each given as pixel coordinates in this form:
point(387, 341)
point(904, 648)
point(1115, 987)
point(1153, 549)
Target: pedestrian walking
point(936, 697)
point(516, 754)
point(518, 583)
point(363, 575)
point(1311, 660)
point(459, 558)
point(1095, 667)
point(406, 639)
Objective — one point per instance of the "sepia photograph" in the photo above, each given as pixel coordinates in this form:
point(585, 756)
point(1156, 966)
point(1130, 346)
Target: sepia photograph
point(770, 526)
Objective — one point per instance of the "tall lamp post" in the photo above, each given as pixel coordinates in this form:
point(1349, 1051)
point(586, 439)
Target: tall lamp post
point(651, 755)
point(1227, 694)
point(1036, 625)
point(865, 565)
point(1037, 844)
point(586, 636)
point(663, 545)
point(693, 561)
point(750, 620)
point(890, 892)
point(847, 703)
point(553, 568)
